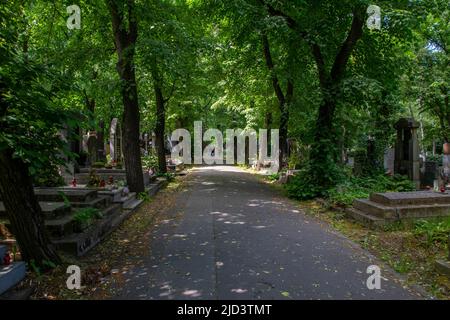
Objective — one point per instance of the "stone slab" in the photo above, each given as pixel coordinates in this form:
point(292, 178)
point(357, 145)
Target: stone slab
point(133, 204)
point(100, 202)
point(11, 275)
point(365, 219)
point(49, 209)
point(443, 267)
point(115, 194)
point(374, 208)
point(73, 194)
point(409, 198)
point(79, 244)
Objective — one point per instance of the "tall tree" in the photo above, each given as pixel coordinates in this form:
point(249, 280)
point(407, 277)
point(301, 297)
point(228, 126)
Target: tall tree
point(330, 79)
point(284, 99)
point(29, 122)
point(125, 29)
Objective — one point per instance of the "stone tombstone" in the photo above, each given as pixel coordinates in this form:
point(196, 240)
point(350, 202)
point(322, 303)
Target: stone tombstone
point(92, 147)
point(407, 160)
point(388, 161)
point(115, 141)
point(430, 173)
point(446, 169)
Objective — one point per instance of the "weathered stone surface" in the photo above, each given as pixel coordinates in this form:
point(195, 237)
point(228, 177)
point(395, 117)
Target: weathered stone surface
point(49, 209)
point(410, 198)
point(443, 267)
point(366, 219)
point(11, 275)
point(115, 194)
point(153, 188)
point(79, 244)
point(395, 206)
point(73, 194)
point(99, 203)
point(60, 227)
point(374, 208)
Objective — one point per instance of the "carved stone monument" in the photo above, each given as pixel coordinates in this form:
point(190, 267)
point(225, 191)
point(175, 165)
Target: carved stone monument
point(115, 141)
point(407, 160)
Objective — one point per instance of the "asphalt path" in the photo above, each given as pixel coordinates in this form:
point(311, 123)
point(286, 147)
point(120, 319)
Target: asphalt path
point(230, 236)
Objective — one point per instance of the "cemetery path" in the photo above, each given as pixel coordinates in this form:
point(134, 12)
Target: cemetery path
point(230, 236)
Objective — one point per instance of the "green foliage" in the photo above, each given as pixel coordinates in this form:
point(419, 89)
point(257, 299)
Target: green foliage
point(302, 186)
point(150, 161)
point(273, 177)
point(65, 198)
point(434, 231)
point(144, 196)
point(48, 177)
point(98, 164)
point(436, 158)
point(85, 217)
point(361, 187)
point(169, 176)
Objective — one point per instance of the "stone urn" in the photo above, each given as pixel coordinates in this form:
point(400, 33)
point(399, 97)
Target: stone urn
point(446, 148)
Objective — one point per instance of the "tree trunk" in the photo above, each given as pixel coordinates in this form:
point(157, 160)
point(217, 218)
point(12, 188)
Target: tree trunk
point(283, 101)
point(125, 36)
point(160, 129)
point(24, 213)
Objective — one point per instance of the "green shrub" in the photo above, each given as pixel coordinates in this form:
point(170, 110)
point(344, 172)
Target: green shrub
point(168, 175)
point(150, 162)
point(305, 184)
point(98, 164)
point(273, 177)
point(303, 187)
point(48, 177)
point(84, 217)
point(435, 158)
point(361, 187)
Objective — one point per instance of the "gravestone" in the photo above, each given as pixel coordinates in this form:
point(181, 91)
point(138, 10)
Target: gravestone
point(389, 158)
point(92, 148)
point(407, 150)
point(430, 174)
point(115, 141)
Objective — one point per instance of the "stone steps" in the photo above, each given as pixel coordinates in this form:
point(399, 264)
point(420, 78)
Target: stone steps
point(11, 275)
point(79, 244)
point(126, 200)
point(410, 198)
point(365, 219)
point(133, 204)
point(399, 206)
point(65, 226)
point(153, 188)
point(99, 203)
point(373, 208)
point(60, 227)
